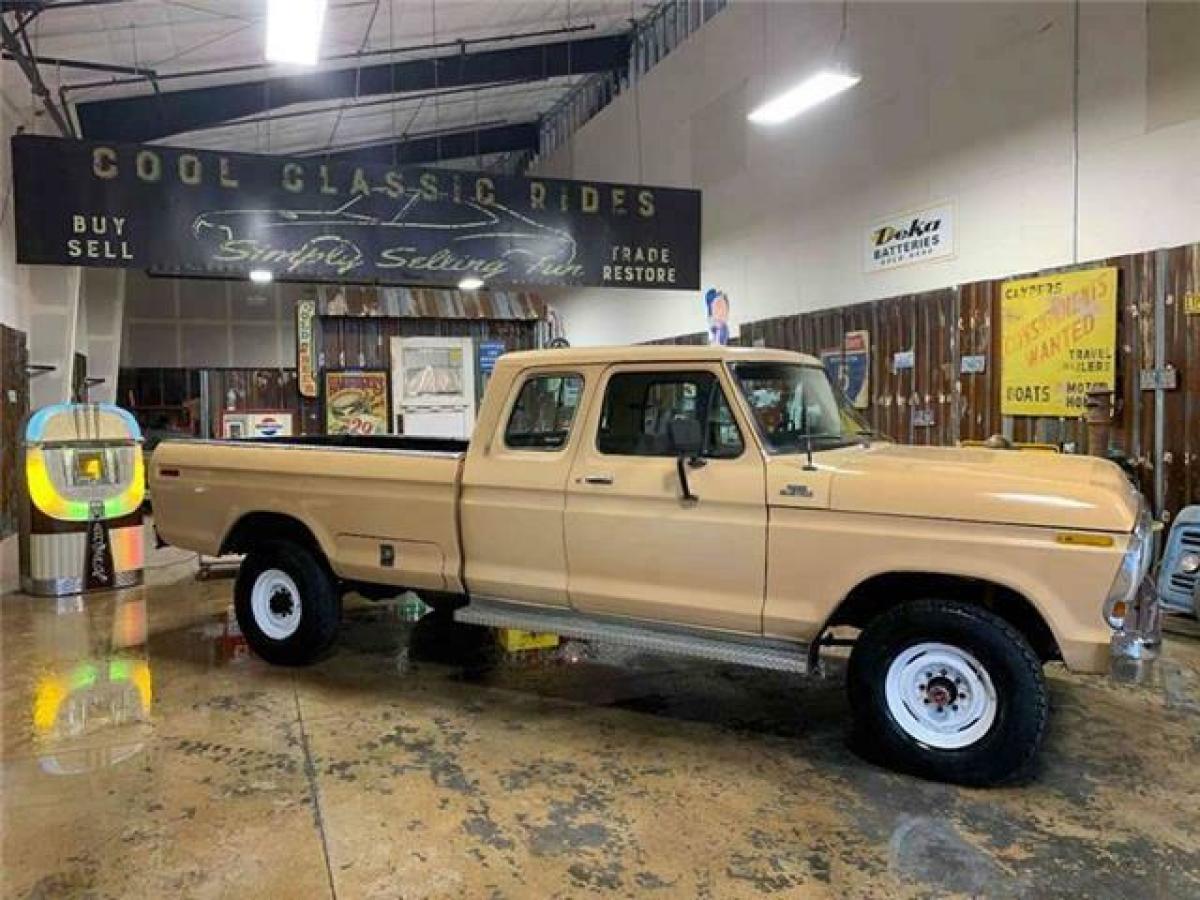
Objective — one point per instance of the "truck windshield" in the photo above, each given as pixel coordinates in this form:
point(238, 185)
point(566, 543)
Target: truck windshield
point(789, 400)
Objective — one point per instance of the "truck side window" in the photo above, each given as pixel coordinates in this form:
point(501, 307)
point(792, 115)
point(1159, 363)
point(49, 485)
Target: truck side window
point(542, 416)
point(640, 406)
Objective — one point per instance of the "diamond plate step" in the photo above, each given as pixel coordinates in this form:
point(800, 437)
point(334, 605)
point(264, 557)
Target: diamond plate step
point(762, 653)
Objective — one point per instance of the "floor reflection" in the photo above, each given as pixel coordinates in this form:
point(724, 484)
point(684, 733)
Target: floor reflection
point(82, 691)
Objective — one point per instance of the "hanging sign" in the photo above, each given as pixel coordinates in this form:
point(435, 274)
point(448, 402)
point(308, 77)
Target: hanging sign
point(1057, 341)
point(306, 376)
point(921, 236)
point(199, 212)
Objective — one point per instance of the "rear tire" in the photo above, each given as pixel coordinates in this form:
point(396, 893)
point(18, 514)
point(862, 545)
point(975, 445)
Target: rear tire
point(948, 691)
point(287, 604)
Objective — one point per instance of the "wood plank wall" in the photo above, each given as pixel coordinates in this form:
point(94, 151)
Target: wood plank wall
point(14, 406)
point(942, 326)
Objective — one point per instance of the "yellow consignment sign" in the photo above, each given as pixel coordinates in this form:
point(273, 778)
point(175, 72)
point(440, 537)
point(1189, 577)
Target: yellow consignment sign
point(1058, 338)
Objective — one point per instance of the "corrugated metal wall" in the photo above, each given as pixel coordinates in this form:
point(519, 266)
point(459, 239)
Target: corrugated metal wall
point(935, 402)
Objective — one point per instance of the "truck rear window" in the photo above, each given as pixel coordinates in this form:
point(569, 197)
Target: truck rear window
point(542, 416)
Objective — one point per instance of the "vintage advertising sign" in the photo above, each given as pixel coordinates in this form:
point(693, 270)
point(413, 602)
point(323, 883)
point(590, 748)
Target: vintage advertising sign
point(356, 401)
point(198, 212)
point(921, 236)
point(306, 377)
point(1058, 339)
point(849, 367)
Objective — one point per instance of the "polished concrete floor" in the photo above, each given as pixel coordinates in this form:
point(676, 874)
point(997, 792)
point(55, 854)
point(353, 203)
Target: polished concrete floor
point(147, 754)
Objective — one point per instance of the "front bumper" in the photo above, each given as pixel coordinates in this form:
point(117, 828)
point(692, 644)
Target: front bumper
point(1136, 644)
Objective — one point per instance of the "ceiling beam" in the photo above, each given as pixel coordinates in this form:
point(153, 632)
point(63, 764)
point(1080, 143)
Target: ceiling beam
point(430, 148)
point(147, 118)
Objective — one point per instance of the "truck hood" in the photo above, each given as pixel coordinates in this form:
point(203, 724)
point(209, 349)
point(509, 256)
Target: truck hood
point(995, 486)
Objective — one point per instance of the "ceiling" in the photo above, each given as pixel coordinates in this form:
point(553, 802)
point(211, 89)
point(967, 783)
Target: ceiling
point(444, 79)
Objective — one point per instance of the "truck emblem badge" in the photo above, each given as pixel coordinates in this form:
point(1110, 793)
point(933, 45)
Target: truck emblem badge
point(797, 490)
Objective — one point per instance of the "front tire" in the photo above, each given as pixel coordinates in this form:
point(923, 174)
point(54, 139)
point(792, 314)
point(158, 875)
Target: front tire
point(287, 604)
point(948, 691)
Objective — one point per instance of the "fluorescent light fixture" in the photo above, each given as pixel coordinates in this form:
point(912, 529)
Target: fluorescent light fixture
point(805, 95)
point(261, 276)
point(294, 31)
point(470, 283)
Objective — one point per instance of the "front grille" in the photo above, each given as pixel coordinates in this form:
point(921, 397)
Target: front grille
point(1177, 590)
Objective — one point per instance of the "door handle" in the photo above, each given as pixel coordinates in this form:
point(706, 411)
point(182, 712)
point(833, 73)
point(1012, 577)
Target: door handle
point(597, 479)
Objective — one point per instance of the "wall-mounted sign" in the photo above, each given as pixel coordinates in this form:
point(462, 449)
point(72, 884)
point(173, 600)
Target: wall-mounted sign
point(1191, 303)
point(975, 364)
point(198, 212)
point(1058, 339)
point(849, 367)
point(306, 373)
point(904, 359)
point(356, 401)
point(921, 236)
point(489, 352)
point(260, 423)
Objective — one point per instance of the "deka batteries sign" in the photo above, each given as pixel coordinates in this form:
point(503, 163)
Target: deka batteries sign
point(199, 212)
point(921, 236)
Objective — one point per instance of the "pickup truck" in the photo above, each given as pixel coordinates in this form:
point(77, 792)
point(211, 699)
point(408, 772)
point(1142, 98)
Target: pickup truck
point(721, 502)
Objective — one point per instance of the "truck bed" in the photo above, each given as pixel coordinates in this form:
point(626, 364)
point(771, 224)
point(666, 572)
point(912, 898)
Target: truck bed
point(382, 508)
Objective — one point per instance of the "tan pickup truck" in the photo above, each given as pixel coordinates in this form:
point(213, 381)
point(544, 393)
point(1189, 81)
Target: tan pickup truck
point(720, 502)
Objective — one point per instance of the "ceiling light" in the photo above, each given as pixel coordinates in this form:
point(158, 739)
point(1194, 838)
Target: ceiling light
point(805, 95)
point(261, 276)
point(470, 283)
point(294, 31)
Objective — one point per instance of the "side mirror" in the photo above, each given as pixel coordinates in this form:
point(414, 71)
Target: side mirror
point(687, 440)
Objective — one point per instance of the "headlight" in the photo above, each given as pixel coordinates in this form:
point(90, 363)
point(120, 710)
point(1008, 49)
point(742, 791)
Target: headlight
point(1135, 564)
point(1189, 563)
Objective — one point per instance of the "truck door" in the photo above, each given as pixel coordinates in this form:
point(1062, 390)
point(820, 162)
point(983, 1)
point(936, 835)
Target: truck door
point(635, 545)
point(513, 489)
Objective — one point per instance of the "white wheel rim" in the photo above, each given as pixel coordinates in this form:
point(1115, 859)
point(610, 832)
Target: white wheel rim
point(940, 695)
point(275, 603)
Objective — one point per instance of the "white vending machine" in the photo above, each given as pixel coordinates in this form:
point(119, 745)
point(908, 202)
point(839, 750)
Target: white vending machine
point(433, 386)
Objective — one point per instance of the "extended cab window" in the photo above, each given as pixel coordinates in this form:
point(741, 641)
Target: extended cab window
point(542, 416)
point(640, 406)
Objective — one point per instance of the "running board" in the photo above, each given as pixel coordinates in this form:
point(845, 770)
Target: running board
point(742, 650)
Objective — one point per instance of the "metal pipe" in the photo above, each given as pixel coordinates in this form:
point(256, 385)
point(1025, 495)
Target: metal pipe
point(1160, 393)
point(10, 43)
point(85, 64)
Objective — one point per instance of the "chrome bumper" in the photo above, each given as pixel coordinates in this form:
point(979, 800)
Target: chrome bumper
point(1136, 645)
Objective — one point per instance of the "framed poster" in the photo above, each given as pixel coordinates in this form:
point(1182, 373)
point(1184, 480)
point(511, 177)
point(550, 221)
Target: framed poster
point(1058, 340)
point(356, 401)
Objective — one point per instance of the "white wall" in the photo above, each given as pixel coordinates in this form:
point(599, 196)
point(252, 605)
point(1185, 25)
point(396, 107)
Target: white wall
point(966, 102)
point(192, 323)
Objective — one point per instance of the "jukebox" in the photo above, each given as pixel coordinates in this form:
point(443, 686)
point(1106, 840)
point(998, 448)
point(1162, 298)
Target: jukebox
point(83, 483)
